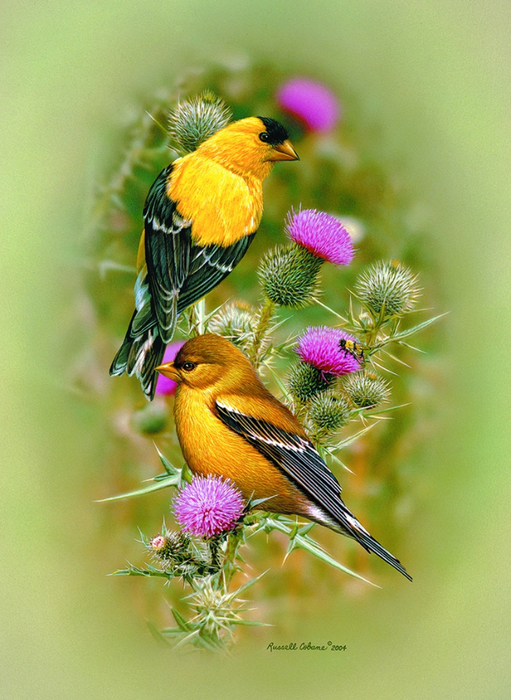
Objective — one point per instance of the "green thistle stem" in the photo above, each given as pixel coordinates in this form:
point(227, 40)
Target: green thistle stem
point(201, 316)
point(214, 548)
point(265, 317)
point(230, 567)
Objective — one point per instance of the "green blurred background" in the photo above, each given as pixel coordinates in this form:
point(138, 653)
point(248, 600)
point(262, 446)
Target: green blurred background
point(435, 77)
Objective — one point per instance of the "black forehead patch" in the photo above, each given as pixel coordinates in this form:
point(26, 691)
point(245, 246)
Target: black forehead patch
point(276, 132)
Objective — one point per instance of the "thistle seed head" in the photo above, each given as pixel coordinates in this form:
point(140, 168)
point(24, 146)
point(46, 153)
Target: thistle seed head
point(327, 412)
point(305, 381)
point(388, 288)
point(366, 389)
point(236, 322)
point(288, 275)
point(194, 120)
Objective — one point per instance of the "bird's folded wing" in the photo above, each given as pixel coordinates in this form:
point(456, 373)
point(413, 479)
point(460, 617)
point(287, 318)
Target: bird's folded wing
point(208, 267)
point(297, 458)
point(167, 253)
point(292, 454)
point(179, 272)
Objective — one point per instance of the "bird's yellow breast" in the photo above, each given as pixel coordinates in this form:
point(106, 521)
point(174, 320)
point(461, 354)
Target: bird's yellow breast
point(222, 205)
point(211, 448)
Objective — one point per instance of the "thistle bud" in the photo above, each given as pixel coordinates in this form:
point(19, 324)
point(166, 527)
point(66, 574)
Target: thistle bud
point(366, 389)
point(328, 412)
point(169, 547)
point(390, 289)
point(305, 381)
point(196, 119)
point(288, 275)
point(235, 321)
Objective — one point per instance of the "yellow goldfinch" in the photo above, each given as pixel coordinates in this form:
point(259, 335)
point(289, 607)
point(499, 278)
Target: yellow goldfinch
point(230, 425)
point(200, 216)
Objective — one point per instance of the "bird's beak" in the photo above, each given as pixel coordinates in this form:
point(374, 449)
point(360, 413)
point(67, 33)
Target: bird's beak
point(168, 370)
point(284, 151)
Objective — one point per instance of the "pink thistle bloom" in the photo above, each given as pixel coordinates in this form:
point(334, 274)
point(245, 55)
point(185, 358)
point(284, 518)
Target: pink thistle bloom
point(319, 347)
point(322, 234)
point(164, 385)
point(311, 102)
point(208, 506)
point(157, 543)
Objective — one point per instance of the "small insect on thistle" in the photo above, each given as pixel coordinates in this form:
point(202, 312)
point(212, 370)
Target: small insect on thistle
point(351, 347)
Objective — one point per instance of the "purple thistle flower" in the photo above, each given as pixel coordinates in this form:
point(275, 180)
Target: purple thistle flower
point(311, 102)
point(164, 385)
point(322, 234)
point(319, 347)
point(208, 506)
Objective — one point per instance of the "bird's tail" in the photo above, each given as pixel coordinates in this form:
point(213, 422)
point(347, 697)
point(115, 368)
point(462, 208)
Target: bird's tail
point(371, 545)
point(143, 347)
point(347, 524)
point(140, 355)
point(342, 520)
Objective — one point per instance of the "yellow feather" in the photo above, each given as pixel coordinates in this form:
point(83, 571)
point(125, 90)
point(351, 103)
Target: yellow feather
point(222, 205)
point(219, 186)
point(211, 448)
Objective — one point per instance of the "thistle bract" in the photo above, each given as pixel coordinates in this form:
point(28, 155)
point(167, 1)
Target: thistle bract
point(235, 321)
point(169, 546)
point(305, 381)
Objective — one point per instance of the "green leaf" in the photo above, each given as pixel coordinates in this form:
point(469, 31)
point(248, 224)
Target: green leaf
point(283, 389)
point(347, 441)
point(332, 455)
point(252, 623)
point(187, 638)
point(417, 328)
point(105, 265)
point(156, 486)
point(411, 347)
point(135, 571)
point(157, 635)
point(331, 310)
point(248, 584)
point(314, 548)
point(386, 410)
point(396, 359)
point(172, 477)
point(181, 621)
point(168, 466)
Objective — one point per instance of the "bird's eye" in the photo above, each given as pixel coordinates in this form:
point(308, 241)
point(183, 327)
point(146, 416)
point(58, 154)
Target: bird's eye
point(188, 366)
point(263, 136)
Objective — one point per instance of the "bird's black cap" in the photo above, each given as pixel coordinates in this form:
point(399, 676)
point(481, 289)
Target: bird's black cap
point(276, 132)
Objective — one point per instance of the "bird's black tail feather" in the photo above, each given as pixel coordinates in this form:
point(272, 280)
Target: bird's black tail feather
point(139, 355)
point(371, 545)
point(143, 347)
point(347, 524)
